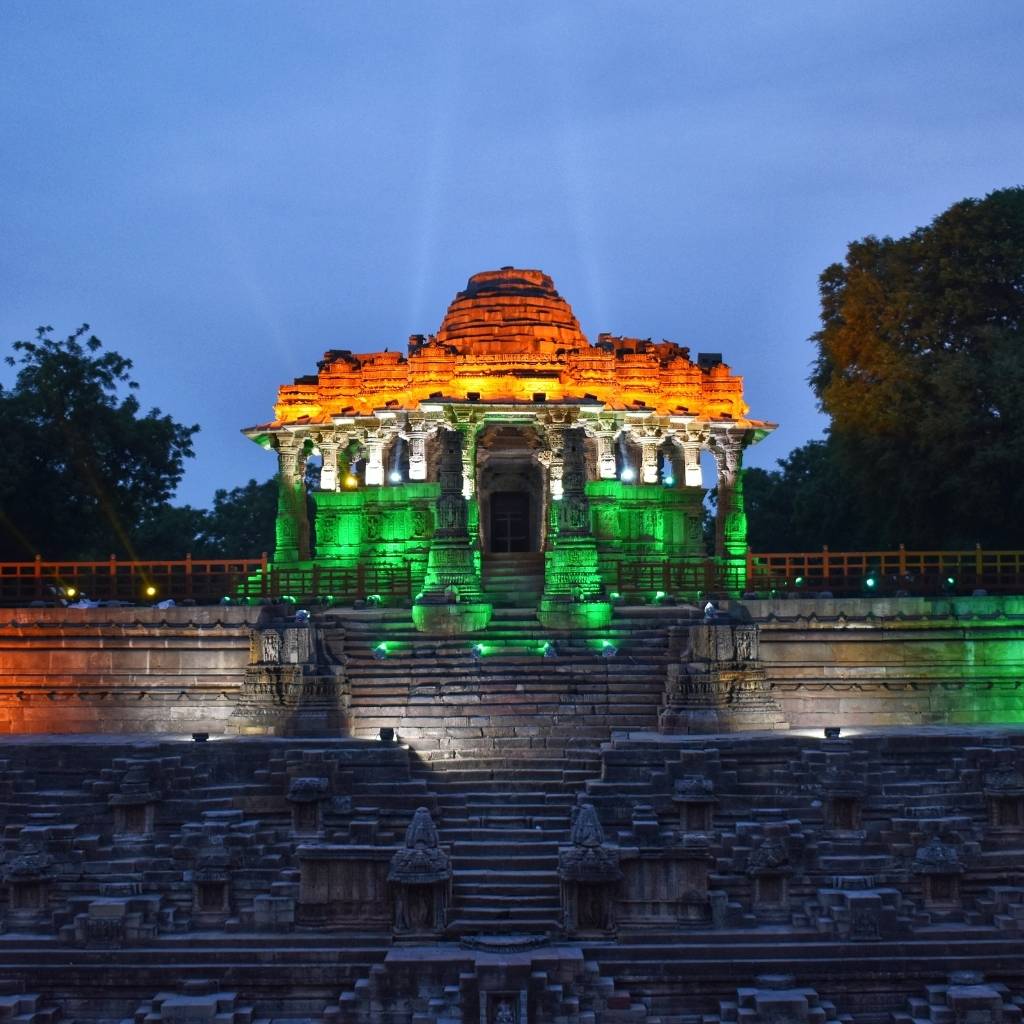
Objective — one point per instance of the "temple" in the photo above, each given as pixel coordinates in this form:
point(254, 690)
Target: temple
point(508, 453)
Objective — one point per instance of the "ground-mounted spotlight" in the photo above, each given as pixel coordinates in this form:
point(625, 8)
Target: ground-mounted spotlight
point(477, 651)
point(832, 732)
point(669, 481)
point(380, 652)
point(350, 481)
point(798, 582)
point(549, 650)
point(302, 615)
point(608, 649)
point(200, 737)
point(150, 591)
point(386, 734)
point(628, 475)
point(226, 599)
point(871, 581)
point(395, 477)
point(373, 600)
point(70, 591)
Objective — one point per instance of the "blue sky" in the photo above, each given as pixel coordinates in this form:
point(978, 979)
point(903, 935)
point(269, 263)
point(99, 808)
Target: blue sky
point(224, 190)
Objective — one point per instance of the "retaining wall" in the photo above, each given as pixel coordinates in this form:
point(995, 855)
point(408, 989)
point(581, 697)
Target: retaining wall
point(898, 661)
point(121, 669)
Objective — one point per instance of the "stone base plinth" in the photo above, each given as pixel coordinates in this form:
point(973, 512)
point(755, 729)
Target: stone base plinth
point(451, 618)
point(555, 613)
point(676, 721)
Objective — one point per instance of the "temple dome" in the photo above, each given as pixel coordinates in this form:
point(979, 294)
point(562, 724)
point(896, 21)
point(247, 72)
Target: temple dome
point(508, 311)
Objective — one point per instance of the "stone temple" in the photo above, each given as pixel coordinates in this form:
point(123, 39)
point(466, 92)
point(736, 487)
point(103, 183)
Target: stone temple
point(563, 468)
point(492, 792)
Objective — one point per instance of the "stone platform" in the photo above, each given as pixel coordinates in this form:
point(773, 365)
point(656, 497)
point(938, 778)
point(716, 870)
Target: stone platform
point(666, 878)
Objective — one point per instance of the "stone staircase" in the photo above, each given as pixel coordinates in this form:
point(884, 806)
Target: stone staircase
point(512, 687)
point(513, 580)
point(503, 824)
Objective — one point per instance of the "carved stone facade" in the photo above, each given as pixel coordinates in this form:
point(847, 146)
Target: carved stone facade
point(600, 451)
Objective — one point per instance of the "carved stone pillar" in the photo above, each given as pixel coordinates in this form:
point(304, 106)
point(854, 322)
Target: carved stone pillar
point(731, 516)
point(329, 471)
point(649, 444)
point(572, 584)
point(292, 528)
point(451, 600)
point(606, 453)
point(469, 462)
point(692, 474)
point(417, 438)
point(374, 458)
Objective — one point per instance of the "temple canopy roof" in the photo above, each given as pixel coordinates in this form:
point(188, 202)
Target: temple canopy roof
point(510, 338)
point(511, 311)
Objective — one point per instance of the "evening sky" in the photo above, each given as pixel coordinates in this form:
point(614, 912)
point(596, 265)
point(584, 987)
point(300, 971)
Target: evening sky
point(224, 190)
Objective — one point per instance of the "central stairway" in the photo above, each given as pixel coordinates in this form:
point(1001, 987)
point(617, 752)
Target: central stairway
point(505, 726)
point(503, 825)
point(513, 580)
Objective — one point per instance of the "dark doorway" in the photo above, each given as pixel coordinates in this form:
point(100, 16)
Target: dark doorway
point(510, 521)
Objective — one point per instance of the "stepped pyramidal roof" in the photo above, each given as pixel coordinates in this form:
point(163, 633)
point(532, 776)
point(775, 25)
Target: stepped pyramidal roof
point(510, 337)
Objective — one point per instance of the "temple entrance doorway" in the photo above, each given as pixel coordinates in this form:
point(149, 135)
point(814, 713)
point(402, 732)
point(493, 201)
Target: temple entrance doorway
point(510, 522)
point(511, 490)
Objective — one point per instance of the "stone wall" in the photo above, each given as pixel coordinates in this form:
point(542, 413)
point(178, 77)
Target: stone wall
point(121, 669)
point(894, 661)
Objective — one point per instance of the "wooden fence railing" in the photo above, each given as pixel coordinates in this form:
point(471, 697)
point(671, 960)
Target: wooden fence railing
point(888, 572)
point(207, 581)
point(204, 581)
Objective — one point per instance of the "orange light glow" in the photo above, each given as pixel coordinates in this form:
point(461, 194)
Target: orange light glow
point(510, 337)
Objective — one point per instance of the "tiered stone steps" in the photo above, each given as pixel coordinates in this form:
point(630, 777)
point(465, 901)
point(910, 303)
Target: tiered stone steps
point(496, 690)
point(503, 823)
point(513, 580)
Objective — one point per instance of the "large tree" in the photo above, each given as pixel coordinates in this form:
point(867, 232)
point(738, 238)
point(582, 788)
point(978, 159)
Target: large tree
point(920, 367)
point(83, 472)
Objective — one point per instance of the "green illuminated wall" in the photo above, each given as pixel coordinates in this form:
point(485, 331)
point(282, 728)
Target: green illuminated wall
point(380, 526)
point(644, 522)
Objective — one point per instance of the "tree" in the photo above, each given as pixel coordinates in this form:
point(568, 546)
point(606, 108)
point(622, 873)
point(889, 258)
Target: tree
point(241, 522)
point(82, 472)
point(920, 366)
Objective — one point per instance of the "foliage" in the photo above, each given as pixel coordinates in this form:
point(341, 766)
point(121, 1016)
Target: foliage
point(241, 522)
point(920, 367)
point(82, 470)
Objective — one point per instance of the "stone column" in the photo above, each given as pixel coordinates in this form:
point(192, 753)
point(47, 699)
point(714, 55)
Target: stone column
point(292, 527)
point(417, 438)
point(692, 475)
point(606, 453)
point(731, 516)
point(649, 444)
point(329, 472)
point(374, 458)
point(572, 583)
point(452, 600)
point(555, 462)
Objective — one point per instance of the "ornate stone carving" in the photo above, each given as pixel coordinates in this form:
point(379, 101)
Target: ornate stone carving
point(421, 874)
